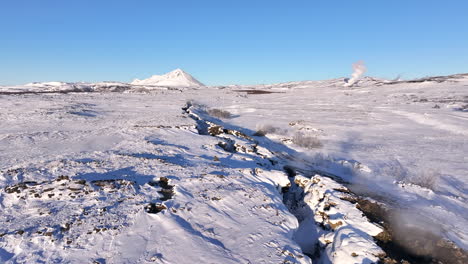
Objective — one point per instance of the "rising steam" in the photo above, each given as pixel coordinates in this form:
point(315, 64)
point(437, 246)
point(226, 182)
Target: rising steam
point(358, 70)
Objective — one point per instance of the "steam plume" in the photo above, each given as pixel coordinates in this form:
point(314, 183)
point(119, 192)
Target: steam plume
point(358, 70)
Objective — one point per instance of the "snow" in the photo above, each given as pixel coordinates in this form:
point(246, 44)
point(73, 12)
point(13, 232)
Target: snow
point(175, 78)
point(79, 168)
point(345, 234)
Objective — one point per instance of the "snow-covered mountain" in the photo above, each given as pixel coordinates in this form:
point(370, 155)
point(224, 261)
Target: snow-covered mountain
point(175, 78)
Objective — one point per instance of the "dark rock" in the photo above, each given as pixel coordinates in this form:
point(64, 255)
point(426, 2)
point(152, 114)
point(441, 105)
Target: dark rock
point(153, 208)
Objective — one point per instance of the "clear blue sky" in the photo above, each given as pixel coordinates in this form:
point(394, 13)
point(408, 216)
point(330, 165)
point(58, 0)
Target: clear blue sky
point(225, 42)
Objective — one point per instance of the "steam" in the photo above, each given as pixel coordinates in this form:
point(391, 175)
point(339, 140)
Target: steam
point(358, 70)
point(417, 234)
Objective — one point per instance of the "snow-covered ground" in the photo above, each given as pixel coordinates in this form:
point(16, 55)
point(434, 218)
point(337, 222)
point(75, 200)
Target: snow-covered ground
point(121, 173)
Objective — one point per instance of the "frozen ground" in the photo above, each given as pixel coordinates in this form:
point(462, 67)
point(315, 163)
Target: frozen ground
point(117, 173)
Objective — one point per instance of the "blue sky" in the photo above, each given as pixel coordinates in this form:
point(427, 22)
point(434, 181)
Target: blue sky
point(226, 42)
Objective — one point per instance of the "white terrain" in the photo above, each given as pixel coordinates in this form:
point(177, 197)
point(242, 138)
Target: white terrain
point(175, 78)
point(167, 170)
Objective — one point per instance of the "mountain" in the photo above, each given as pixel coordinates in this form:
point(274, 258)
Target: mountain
point(175, 78)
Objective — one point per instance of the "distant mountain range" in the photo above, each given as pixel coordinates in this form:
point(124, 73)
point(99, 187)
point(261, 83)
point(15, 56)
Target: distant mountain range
point(180, 80)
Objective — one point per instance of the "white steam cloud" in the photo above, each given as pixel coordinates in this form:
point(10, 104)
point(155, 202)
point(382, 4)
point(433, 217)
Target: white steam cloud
point(358, 70)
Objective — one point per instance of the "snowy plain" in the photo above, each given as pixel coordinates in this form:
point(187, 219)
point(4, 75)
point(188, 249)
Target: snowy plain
point(122, 173)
